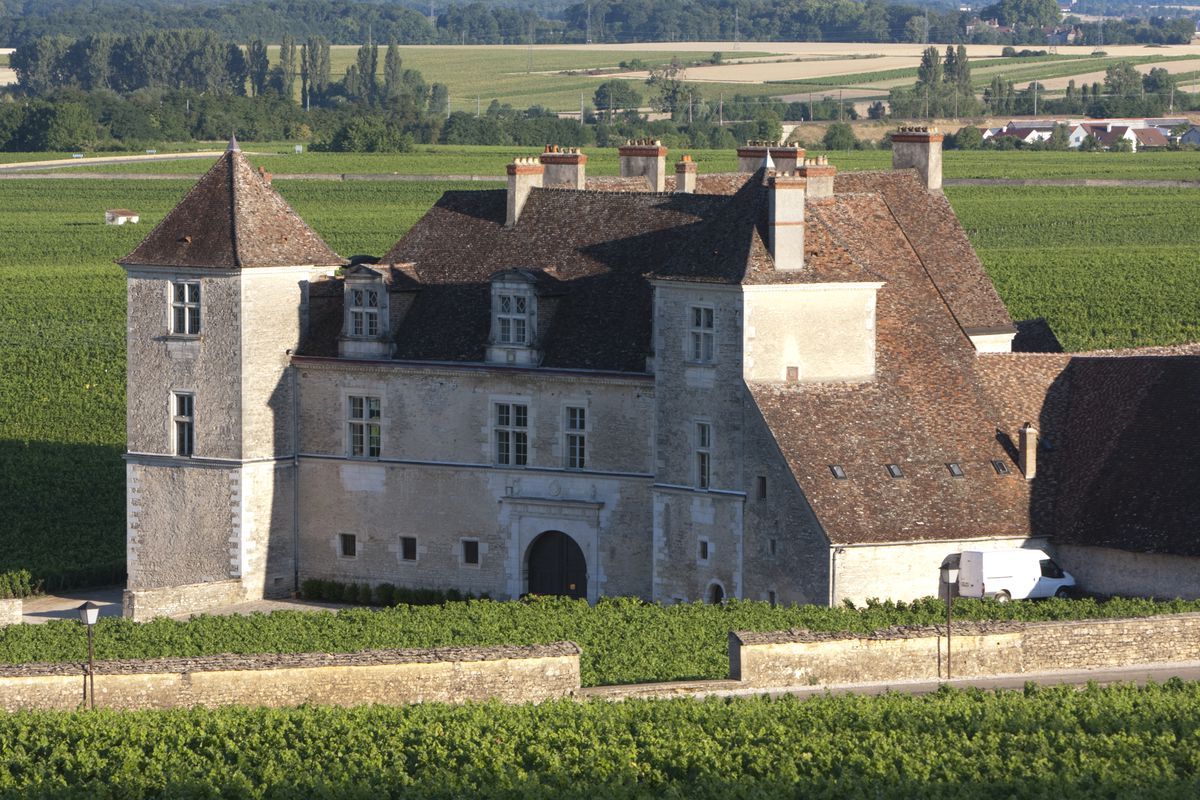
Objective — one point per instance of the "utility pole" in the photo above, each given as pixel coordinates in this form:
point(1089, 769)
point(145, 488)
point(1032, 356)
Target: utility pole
point(721, 110)
point(477, 105)
point(588, 34)
point(736, 30)
point(1035, 87)
point(581, 120)
point(927, 25)
point(529, 65)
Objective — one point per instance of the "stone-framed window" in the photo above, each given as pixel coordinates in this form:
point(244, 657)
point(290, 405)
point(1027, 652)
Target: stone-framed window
point(364, 312)
point(760, 487)
point(702, 334)
point(364, 426)
point(512, 317)
point(185, 308)
point(348, 545)
point(704, 551)
point(510, 432)
point(183, 423)
point(702, 454)
point(408, 548)
point(575, 437)
point(471, 552)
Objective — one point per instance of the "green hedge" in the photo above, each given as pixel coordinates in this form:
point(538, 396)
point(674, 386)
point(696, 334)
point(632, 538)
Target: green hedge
point(17, 583)
point(384, 594)
point(624, 640)
point(1057, 744)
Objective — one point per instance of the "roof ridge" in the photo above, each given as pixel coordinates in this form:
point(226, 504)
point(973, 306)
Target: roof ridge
point(233, 151)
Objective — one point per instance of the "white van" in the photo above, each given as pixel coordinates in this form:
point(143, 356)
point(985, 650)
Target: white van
point(1011, 575)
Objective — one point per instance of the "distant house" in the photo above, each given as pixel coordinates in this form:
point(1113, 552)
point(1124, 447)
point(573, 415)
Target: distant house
point(120, 216)
point(1149, 138)
point(1192, 136)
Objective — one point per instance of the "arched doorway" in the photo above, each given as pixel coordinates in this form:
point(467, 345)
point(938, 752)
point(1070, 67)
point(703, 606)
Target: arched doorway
point(716, 594)
point(557, 566)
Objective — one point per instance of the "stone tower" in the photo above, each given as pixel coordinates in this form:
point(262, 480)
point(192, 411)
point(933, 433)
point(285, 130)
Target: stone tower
point(215, 298)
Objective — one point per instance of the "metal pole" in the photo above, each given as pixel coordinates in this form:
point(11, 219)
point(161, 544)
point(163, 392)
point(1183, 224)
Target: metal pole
point(91, 670)
point(949, 606)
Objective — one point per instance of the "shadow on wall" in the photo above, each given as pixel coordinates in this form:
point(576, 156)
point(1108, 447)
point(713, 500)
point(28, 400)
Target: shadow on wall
point(62, 512)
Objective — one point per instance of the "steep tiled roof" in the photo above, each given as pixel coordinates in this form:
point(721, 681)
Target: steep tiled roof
point(940, 242)
point(232, 219)
point(1120, 467)
point(924, 409)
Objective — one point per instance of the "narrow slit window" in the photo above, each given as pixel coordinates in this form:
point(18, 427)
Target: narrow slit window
point(703, 455)
point(184, 418)
point(704, 550)
point(760, 490)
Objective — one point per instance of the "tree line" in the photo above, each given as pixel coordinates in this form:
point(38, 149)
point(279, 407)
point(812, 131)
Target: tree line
point(556, 21)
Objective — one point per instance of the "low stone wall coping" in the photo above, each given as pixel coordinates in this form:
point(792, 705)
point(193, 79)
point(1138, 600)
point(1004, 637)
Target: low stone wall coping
point(267, 661)
point(963, 628)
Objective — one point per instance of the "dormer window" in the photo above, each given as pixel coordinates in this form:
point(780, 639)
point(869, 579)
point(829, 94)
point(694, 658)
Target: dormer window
point(513, 318)
point(364, 312)
point(365, 331)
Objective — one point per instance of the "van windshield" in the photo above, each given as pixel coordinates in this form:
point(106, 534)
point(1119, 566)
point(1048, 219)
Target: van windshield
point(1050, 569)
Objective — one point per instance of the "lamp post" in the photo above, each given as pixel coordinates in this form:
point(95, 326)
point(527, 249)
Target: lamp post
point(949, 571)
point(89, 612)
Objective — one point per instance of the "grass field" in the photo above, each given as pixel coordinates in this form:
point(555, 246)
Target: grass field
point(1108, 267)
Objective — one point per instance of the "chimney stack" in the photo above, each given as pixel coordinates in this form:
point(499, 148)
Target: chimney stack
point(785, 157)
point(919, 148)
point(685, 175)
point(818, 172)
point(565, 167)
point(645, 157)
point(786, 221)
point(523, 175)
point(1027, 455)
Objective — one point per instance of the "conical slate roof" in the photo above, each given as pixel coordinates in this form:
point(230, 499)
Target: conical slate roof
point(232, 219)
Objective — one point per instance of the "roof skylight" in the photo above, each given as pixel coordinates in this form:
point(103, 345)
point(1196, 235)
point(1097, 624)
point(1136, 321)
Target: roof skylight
point(1000, 467)
point(838, 472)
point(955, 469)
point(895, 471)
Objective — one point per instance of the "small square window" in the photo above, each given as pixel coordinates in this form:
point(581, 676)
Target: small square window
point(470, 551)
point(1000, 467)
point(895, 471)
point(408, 548)
point(704, 550)
point(761, 487)
point(955, 469)
point(348, 545)
point(838, 472)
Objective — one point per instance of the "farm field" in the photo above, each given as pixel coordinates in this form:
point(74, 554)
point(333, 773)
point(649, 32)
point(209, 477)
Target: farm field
point(1057, 743)
point(1108, 267)
point(487, 160)
point(623, 640)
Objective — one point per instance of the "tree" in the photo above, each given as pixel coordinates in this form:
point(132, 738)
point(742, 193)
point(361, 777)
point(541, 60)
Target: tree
point(968, 138)
point(392, 70)
point(1025, 13)
point(616, 95)
point(257, 65)
point(670, 92)
point(839, 136)
point(367, 61)
point(876, 110)
point(1122, 80)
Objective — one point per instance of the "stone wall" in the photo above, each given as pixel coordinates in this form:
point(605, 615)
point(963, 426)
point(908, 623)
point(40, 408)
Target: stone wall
point(978, 649)
point(10, 611)
point(392, 677)
point(140, 605)
point(1104, 570)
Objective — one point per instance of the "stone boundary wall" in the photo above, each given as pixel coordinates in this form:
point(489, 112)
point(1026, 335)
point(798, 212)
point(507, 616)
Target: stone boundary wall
point(140, 605)
point(10, 611)
point(799, 657)
point(512, 674)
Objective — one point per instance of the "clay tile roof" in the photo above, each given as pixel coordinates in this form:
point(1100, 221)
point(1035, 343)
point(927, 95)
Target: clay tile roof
point(1150, 137)
point(232, 219)
point(940, 242)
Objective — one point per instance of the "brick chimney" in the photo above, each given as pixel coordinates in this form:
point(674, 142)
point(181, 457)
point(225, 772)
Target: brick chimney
point(523, 175)
point(818, 172)
point(645, 157)
point(919, 148)
point(1027, 451)
point(786, 221)
point(685, 175)
point(785, 157)
point(566, 167)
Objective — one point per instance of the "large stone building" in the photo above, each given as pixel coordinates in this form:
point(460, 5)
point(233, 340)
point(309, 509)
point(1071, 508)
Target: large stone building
point(790, 385)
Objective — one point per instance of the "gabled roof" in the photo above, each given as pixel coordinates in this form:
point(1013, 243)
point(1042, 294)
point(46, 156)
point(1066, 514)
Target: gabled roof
point(232, 219)
point(1150, 137)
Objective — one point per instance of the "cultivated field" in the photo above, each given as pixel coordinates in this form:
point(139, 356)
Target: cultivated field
point(1108, 267)
point(1061, 743)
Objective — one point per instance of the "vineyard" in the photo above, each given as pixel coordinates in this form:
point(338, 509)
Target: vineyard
point(624, 640)
point(1057, 744)
point(1108, 267)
